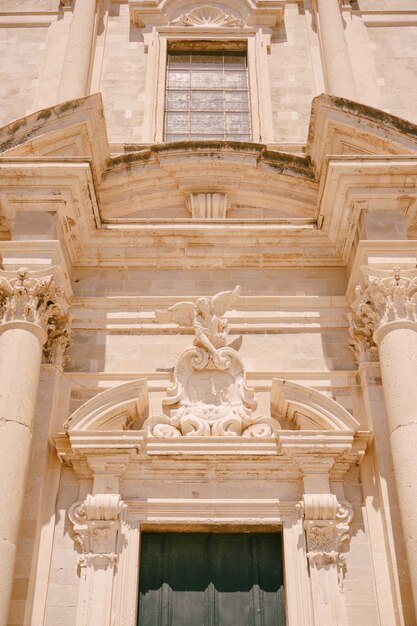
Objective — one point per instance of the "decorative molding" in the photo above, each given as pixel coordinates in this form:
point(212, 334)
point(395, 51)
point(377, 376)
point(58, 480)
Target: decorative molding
point(388, 296)
point(208, 205)
point(117, 408)
point(207, 16)
point(96, 525)
point(309, 409)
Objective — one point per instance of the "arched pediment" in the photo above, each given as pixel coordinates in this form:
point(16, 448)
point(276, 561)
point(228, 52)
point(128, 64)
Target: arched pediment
point(157, 181)
point(70, 129)
point(309, 409)
point(343, 127)
point(117, 408)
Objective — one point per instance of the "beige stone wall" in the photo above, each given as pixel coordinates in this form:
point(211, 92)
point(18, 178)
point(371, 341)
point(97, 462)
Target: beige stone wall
point(394, 52)
point(22, 51)
point(295, 73)
point(121, 73)
point(64, 580)
point(291, 321)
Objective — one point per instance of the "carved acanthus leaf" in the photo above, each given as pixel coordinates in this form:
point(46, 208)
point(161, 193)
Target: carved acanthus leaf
point(207, 16)
point(59, 341)
point(386, 297)
point(29, 299)
point(361, 338)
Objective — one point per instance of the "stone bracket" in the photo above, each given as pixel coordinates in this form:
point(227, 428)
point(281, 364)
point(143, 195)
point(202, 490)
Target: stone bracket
point(96, 526)
point(326, 522)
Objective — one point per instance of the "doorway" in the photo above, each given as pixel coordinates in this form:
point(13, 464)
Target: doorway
point(211, 579)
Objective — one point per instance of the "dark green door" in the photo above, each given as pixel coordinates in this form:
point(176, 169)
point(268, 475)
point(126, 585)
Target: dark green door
point(211, 579)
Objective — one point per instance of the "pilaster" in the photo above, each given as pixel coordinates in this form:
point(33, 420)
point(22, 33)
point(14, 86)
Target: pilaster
point(97, 523)
point(326, 524)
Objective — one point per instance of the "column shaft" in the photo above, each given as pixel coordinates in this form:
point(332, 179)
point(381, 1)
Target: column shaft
point(76, 67)
point(338, 70)
point(398, 358)
point(20, 359)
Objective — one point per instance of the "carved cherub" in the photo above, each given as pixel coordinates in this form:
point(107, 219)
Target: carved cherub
point(205, 317)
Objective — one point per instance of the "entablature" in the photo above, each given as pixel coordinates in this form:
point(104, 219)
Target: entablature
point(204, 203)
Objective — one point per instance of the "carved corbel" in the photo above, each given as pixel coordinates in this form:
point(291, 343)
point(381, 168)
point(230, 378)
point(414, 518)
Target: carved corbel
point(96, 528)
point(326, 522)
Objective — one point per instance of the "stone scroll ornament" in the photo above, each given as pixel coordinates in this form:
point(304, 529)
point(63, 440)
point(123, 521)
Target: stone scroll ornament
point(327, 523)
point(209, 396)
point(39, 301)
point(96, 528)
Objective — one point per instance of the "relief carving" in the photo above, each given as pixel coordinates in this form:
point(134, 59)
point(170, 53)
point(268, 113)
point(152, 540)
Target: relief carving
point(328, 532)
point(209, 396)
point(207, 16)
point(206, 319)
point(96, 526)
point(59, 341)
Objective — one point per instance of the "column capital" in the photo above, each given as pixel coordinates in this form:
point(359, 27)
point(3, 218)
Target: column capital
point(29, 300)
point(387, 300)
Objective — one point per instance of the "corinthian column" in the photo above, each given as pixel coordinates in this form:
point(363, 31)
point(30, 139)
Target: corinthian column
point(338, 70)
point(78, 52)
point(30, 308)
point(385, 311)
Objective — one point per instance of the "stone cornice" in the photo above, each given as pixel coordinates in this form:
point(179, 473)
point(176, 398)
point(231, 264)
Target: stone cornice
point(287, 446)
point(96, 216)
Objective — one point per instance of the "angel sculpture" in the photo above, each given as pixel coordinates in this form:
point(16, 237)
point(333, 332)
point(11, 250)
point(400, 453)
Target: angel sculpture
point(205, 317)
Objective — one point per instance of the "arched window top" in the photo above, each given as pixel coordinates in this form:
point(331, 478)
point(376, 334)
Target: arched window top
point(229, 13)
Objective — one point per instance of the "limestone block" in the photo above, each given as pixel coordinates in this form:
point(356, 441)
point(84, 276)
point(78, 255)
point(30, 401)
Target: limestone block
point(22, 51)
point(394, 55)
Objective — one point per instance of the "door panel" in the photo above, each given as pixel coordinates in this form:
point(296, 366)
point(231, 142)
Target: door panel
point(211, 579)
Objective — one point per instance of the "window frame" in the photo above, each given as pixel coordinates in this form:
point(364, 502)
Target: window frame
point(257, 44)
point(221, 53)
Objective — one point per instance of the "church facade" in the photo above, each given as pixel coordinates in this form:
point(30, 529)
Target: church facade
point(208, 313)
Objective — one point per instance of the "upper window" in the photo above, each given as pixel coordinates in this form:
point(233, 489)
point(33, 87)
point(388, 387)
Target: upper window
point(207, 92)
